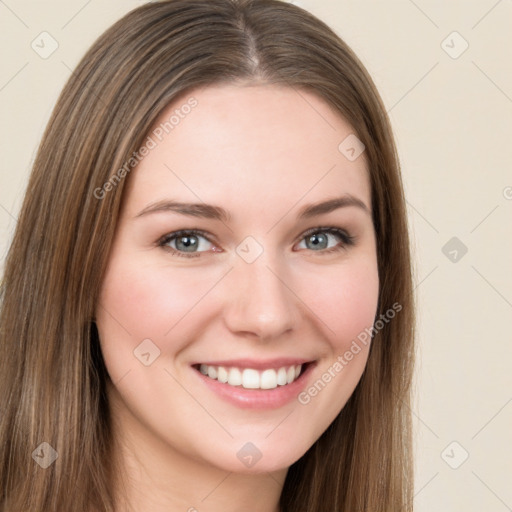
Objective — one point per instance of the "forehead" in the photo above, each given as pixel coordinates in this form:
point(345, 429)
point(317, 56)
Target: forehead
point(248, 146)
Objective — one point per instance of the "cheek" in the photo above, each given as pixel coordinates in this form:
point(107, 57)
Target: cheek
point(345, 301)
point(138, 302)
point(147, 301)
point(157, 302)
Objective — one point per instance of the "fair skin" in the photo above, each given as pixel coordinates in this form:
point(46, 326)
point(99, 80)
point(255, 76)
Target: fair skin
point(262, 153)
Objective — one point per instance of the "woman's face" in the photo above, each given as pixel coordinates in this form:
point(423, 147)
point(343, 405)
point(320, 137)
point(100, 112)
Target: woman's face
point(245, 250)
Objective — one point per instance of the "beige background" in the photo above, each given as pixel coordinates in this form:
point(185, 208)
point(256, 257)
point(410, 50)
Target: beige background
point(453, 123)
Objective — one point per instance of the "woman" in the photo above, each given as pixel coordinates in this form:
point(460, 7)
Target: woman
point(207, 304)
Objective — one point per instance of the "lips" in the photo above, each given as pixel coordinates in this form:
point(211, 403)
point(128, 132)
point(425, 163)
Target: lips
point(252, 384)
point(251, 378)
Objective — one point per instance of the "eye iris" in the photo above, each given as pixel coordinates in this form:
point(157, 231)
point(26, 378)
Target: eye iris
point(317, 240)
point(186, 243)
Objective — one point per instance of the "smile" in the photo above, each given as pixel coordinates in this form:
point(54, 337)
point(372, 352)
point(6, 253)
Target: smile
point(256, 384)
point(250, 378)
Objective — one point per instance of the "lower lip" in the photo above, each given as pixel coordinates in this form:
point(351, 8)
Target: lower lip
point(258, 398)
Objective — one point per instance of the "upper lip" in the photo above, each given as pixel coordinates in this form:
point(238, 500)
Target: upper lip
point(257, 364)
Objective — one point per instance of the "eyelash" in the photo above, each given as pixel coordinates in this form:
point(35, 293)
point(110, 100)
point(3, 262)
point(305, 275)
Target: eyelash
point(346, 240)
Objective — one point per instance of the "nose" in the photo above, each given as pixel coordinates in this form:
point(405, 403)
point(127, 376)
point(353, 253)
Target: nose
point(259, 300)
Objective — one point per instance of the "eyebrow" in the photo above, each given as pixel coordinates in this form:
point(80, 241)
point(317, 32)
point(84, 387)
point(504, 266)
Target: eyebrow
point(209, 211)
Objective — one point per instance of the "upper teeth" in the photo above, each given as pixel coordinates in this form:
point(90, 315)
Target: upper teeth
point(252, 379)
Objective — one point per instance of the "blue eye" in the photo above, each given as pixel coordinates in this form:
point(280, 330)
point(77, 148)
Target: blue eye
point(326, 240)
point(191, 243)
point(185, 243)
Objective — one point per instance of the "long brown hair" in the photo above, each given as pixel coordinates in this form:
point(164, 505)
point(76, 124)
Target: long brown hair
point(52, 374)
